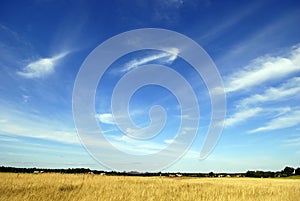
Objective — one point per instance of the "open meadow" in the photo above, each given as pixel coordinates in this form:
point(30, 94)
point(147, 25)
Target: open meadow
point(95, 187)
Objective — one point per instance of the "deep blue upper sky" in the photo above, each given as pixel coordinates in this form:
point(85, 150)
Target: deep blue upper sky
point(254, 44)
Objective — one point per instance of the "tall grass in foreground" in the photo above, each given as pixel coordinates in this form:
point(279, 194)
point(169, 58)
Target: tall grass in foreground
point(95, 187)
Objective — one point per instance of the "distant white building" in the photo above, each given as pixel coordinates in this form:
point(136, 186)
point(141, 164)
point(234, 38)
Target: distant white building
point(37, 172)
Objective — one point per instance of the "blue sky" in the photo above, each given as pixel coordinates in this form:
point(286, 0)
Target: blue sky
point(254, 44)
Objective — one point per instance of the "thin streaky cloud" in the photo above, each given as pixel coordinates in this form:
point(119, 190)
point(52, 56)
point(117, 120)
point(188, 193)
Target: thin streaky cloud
point(41, 67)
point(289, 120)
point(168, 57)
point(288, 89)
point(25, 128)
point(242, 116)
point(243, 50)
point(230, 22)
point(15, 122)
point(264, 69)
point(280, 111)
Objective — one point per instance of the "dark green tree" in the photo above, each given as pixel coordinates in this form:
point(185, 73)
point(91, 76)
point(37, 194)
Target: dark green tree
point(250, 173)
point(297, 171)
point(288, 171)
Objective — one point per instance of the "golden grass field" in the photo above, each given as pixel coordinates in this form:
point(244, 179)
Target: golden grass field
point(95, 187)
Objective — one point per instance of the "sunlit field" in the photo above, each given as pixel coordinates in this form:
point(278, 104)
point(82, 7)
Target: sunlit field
point(95, 187)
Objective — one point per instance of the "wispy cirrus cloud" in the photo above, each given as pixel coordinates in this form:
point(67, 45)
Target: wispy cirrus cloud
point(243, 49)
point(264, 69)
point(285, 121)
point(19, 126)
point(282, 117)
point(166, 57)
point(41, 67)
point(286, 90)
point(242, 116)
point(230, 21)
point(17, 120)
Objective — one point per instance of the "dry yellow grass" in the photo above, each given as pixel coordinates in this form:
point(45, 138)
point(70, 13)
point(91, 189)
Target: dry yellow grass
point(94, 187)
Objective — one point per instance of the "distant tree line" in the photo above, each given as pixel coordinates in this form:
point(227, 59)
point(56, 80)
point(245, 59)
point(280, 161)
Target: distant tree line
point(32, 170)
point(287, 171)
point(89, 171)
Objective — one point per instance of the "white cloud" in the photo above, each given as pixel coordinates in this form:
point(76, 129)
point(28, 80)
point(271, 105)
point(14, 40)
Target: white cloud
point(289, 120)
point(169, 56)
point(137, 147)
point(263, 70)
point(169, 141)
point(242, 116)
point(288, 89)
point(42, 67)
point(105, 118)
